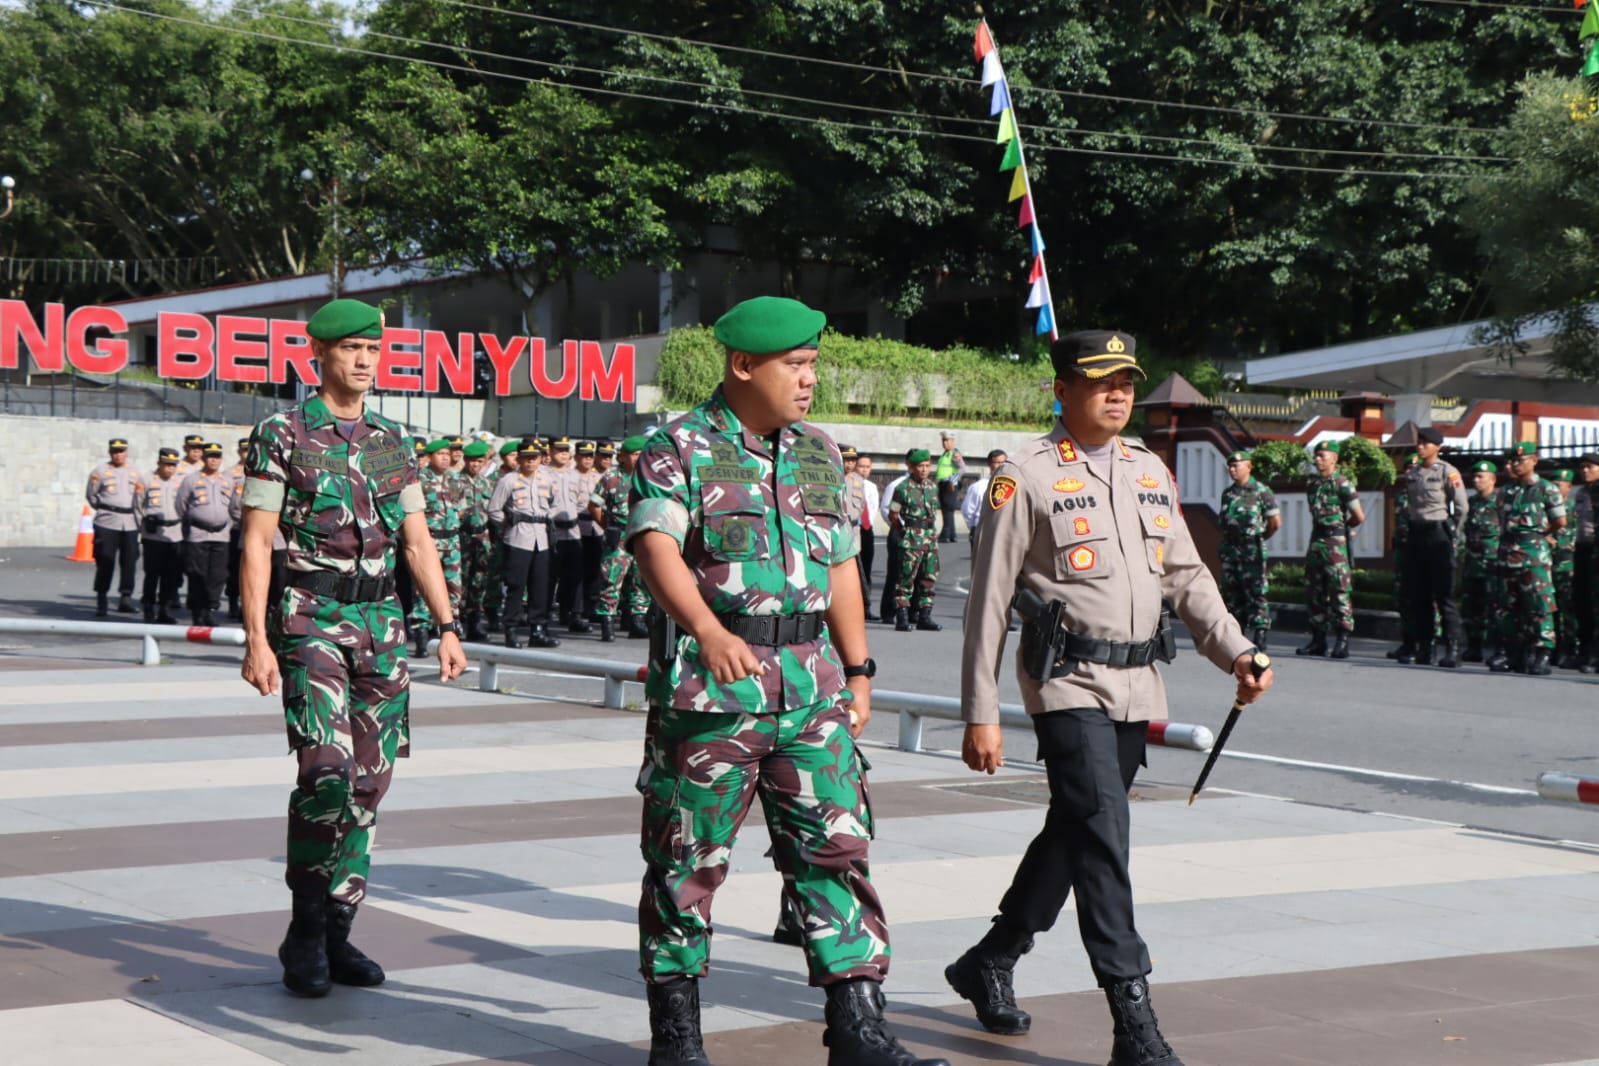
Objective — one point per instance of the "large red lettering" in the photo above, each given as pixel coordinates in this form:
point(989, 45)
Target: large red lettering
point(437, 358)
point(45, 346)
point(504, 359)
point(291, 348)
point(110, 355)
point(396, 359)
point(232, 348)
point(184, 345)
point(606, 382)
point(538, 375)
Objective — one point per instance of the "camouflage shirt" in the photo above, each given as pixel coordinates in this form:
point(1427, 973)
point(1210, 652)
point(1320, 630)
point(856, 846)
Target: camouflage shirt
point(445, 498)
point(1524, 514)
point(610, 496)
point(760, 527)
point(1330, 499)
point(916, 504)
point(1482, 527)
point(1244, 511)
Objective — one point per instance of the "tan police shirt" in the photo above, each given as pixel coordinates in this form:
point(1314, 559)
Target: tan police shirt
point(211, 499)
point(1431, 490)
point(115, 493)
point(526, 495)
point(1110, 549)
point(160, 501)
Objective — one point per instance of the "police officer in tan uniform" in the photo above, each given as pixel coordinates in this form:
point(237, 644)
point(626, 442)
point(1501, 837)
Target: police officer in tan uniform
point(161, 532)
point(114, 491)
point(1083, 530)
point(1436, 505)
point(193, 456)
point(208, 502)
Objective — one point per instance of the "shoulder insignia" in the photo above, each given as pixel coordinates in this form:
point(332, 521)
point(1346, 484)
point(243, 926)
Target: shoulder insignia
point(1081, 558)
point(1148, 482)
point(1001, 491)
point(1125, 453)
point(1454, 479)
point(1068, 484)
point(1080, 527)
point(1067, 450)
point(1160, 554)
point(1162, 522)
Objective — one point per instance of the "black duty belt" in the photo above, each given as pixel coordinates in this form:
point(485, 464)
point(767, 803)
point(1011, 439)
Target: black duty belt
point(774, 629)
point(513, 518)
point(927, 524)
point(152, 520)
point(1078, 649)
point(346, 588)
point(564, 523)
point(113, 508)
point(207, 526)
point(1329, 531)
point(445, 534)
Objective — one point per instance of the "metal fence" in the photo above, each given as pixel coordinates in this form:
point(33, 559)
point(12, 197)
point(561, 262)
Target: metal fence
point(120, 399)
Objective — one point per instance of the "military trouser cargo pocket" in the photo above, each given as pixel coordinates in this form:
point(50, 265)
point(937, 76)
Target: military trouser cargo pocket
point(1067, 746)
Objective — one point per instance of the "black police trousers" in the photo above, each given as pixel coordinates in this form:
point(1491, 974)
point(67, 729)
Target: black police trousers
point(207, 566)
point(112, 546)
point(1430, 581)
point(163, 572)
point(527, 587)
point(1085, 842)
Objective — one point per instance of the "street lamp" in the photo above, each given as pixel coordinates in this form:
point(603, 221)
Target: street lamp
point(337, 273)
point(8, 183)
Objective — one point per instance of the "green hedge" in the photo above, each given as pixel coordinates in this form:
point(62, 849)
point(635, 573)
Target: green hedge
point(875, 378)
point(1361, 462)
point(1369, 590)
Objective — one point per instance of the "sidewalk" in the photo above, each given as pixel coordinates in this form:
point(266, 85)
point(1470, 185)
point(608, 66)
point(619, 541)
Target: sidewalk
point(141, 904)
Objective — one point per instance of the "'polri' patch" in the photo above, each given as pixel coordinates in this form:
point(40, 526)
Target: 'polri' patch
point(1001, 491)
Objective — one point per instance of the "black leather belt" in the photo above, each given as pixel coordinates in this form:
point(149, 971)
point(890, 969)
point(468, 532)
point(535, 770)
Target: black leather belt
point(1119, 653)
point(774, 630)
point(564, 523)
point(1329, 531)
point(207, 526)
point(445, 534)
point(112, 508)
point(346, 588)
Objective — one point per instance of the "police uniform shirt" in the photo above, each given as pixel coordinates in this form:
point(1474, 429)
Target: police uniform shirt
point(588, 484)
point(160, 501)
point(1431, 490)
point(212, 499)
point(1110, 545)
point(114, 492)
point(527, 495)
point(567, 501)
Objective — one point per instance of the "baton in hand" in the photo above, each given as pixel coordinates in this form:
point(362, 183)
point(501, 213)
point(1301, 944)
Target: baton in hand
point(1259, 663)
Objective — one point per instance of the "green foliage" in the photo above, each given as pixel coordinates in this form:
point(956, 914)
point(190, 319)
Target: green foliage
point(1364, 463)
point(1281, 460)
point(1370, 590)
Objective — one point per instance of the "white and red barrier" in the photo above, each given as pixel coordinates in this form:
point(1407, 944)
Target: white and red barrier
point(1568, 788)
point(1181, 735)
point(146, 633)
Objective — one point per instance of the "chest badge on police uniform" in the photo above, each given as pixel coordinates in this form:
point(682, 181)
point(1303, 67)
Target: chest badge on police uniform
point(1080, 527)
point(1081, 558)
point(1068, 484)
point(1148, 482)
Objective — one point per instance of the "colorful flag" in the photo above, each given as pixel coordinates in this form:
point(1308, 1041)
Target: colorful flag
point(1018, 185)
point(1007, 126)
point(1590, 68)
point(992, 71)
point(985, 43)
point(1590, 24)
point(1024, 218)
point(1013, 155)
point(1001, 99)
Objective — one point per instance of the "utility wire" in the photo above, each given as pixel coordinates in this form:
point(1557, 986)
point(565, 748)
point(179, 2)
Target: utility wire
point(1536, 9)
point(760, 113)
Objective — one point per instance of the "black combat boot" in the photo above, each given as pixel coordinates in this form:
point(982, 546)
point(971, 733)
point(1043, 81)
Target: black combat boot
point(924, 620)
point(1424, 653)
point(790, 927)
point(475, 629)
point(125, 604)
point(636, 629)
point(1138, 1039)
point(419, 640)
point(1317, 645)
point(1539, 665)
point(675, 1023)
point(164, 617)
point(1451, 655)
point(607, 631)
point(1260, 639)
point(510, 636)
point(902, 620)
point(1500, 661)
point(346, 964)
point(856, 1033)
point(1590, 663)
point(304, 952)
point(540, 638)
point(149, 613)
point(1405, 653)
point(1340, 647)
point(494, 620)
point(1473, 650)
point(1568, 660)
point(576, 623)
point(234, 614)
point(983, 976)
point(99, 605)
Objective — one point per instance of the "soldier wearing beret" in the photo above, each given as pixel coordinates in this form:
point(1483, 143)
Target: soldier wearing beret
point(1436, 506)
point(622, 591)
point(912, 511)
point(340, 482)
point(1249, 517)
point(1563, 571)
point(1531, 513)
point(737, 524)
point(477, 544)
point(1480, 593)
point(519, 513)
point(1084, 532)
point(208, 503)
point(160, 534)
point(444, 497)
point(113, 492)
point(1335, 513)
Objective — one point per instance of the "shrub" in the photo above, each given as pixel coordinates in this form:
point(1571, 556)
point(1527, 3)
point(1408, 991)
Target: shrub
point(1281, 460)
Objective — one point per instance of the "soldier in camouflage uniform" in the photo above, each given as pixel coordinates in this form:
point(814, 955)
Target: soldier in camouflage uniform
point(1480, 594)
point(622, 591)
point(1335, 512)
point(1249, 517)
point(477, 544)
point(911, 511)
point(339, 482)
point(1531, 512)
point(1563, 571)
point(444, 493)
point(737, 524)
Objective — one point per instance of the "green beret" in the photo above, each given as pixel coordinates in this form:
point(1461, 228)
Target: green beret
point(1484, 466)
point(1561, 475)
point(634, 444)
point(345, 318)
point(918, 455)
point(1240, 457)
point(1330, 446)
point(508, 448)
point(1524, 447)
point(478, 449)
point(439, 445)
point(770, 324)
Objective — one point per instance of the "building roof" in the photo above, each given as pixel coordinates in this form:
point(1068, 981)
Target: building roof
point(1175, 391)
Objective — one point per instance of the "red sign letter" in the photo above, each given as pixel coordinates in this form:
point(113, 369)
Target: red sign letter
point(291, 347)
point(16, 323)
point(437, 357)
point(396, 359)
point(555, 390)
point(231, 348)
point(110, 355)
point(504, 359)
point(607, 382)
point(183, 345)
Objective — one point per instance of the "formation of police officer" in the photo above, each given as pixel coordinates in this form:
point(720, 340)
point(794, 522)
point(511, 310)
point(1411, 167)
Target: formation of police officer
point(1249, 517)
point(1084, 534)
point(338, 482)
point(1335, 513)
point(759, 684)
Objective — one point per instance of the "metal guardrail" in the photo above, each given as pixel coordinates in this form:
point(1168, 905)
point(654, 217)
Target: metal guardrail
point(1568, 788)
point(147, 633)
point(912, 707)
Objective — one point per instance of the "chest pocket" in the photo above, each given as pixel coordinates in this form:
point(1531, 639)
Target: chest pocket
point(1157, 523)
point(314, 499)
point(737, 526)
point(824, 516)
point(1080, 546)
point(154, 499)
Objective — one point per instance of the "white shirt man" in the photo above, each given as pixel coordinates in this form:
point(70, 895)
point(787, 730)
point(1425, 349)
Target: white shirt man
point(972, 504)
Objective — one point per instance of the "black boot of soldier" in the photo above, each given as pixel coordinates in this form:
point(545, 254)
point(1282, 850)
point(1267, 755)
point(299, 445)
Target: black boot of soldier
point(1260, 639)
point(1500, 661)
point(420, 640)
point(1451, 655)
point(924, 620)
point(636, 629)
point(1317, 645)
point(475, 629)
point(149, 613)
point(607, 631)
point(304, 952)
point(902, 620)
point(1473, 651)
point(346, 964)
point(856, 1033)
point(510, 636)
point(540, 638)
point(675, 1023)
point(125, 604)
point(790, 928)
point(1138, 1039)
point(1424, 653)
point(1539, 665)
point(1405, 653)
point(1340, 647)
point(983, 976)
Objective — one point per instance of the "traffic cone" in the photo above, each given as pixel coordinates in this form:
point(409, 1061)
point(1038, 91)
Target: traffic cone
point(83, 549)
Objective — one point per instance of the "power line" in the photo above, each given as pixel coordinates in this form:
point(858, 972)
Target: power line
point(973, 82)
point(1537, 9)
point(759, 113)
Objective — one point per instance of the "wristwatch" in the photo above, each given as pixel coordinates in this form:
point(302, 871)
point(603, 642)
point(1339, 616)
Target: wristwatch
point(867, 669)
point(451, 627)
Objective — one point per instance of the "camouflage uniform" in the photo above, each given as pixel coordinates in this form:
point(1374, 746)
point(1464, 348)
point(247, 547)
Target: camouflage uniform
point(346, 688)
point(1480, 591)
point(1245, 510)
point(446, 496)
point(917, 505)
point(759, 546)
point(1563, 571)
point(622, 586)
point(477, 544)
point(1524, 560)
point(1327, 573)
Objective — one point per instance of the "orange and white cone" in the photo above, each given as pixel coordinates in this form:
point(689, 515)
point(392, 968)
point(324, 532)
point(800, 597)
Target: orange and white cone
point(83, 548)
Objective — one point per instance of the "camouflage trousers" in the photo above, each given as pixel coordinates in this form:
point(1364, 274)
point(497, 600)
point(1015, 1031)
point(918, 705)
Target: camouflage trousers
point(917, 576)
point(1568, 621)
point(494, 598)
point(476, 551)
point(701, 772)
point(1480, 598)
point(1327, 581)
point(346, 699)
point(449, 546)
point(1244, 586)
point(621, 586)
point(1528, 622)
